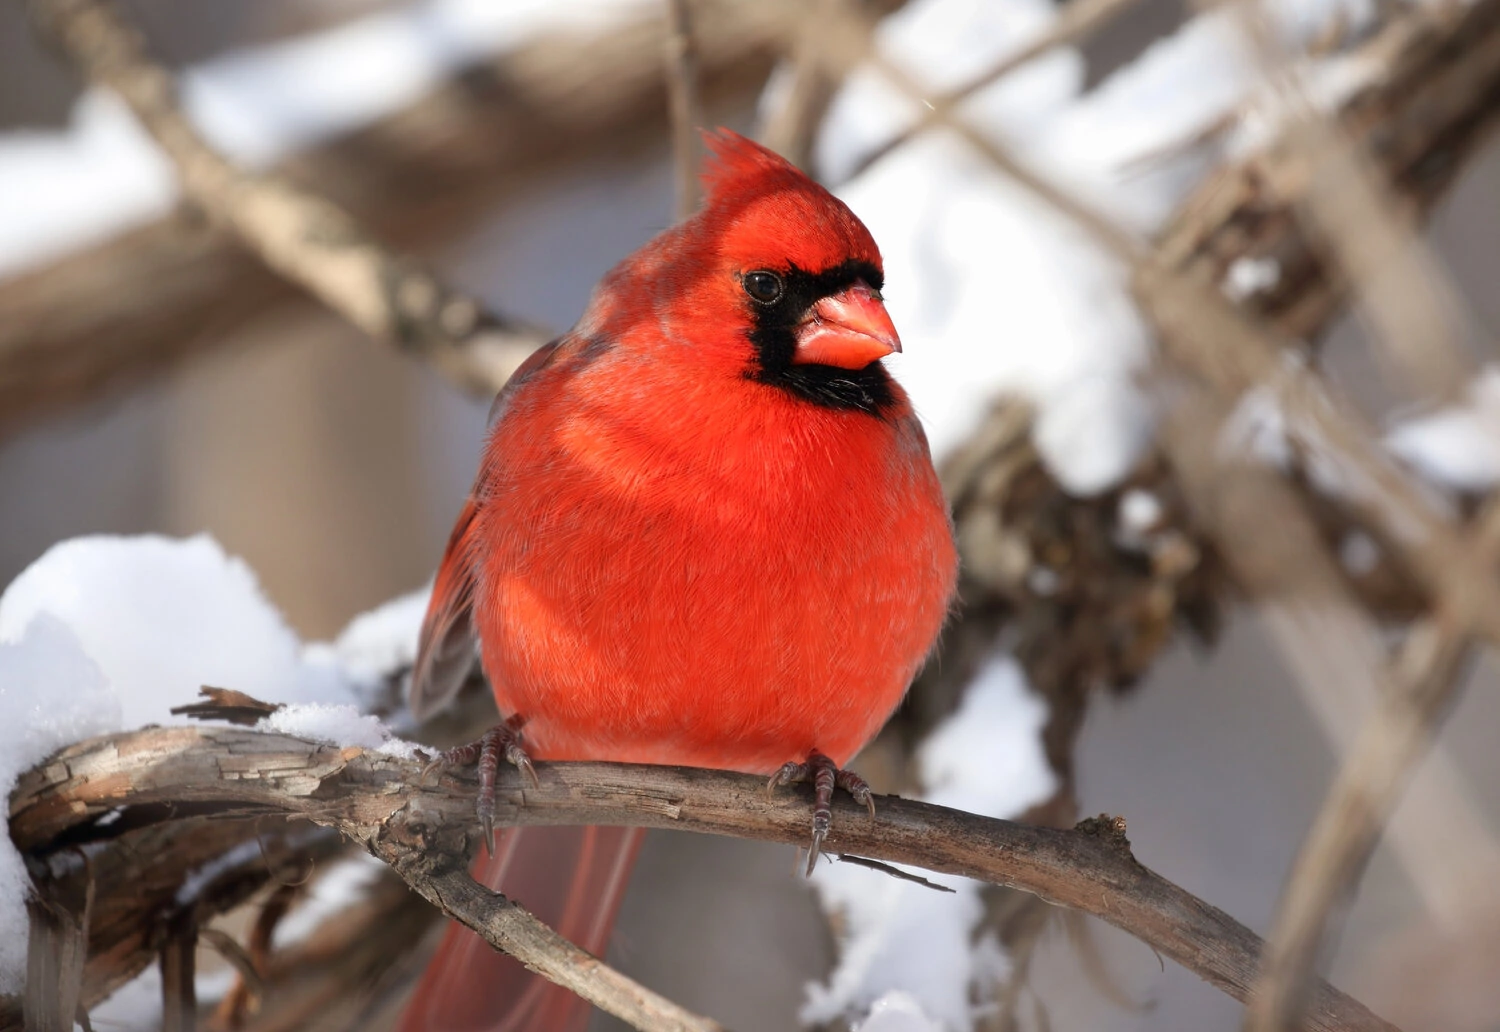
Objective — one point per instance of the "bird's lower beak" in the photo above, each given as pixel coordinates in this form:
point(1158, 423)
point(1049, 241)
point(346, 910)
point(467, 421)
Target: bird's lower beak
point(849, 329)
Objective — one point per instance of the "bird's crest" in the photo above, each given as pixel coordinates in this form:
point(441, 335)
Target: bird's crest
point(736, 165)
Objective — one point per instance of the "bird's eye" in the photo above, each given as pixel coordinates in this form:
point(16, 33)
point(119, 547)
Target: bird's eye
point(765, 287)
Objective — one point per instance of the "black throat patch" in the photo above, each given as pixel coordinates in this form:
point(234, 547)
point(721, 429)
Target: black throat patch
point(774, 335)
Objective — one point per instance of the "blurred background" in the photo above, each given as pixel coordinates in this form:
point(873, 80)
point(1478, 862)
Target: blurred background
point(1171, 689)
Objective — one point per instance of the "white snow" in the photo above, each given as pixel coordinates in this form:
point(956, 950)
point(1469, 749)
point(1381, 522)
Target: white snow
point(378, 644)
point(104, 633)
point(51, 693)
point(1140, 511)
point(897, 1012)
point(164, 616)
point(61, 190)
point(1457, 447)
point(337, 725)
point(904, 938)
point(992, 291)
point(1247, 277)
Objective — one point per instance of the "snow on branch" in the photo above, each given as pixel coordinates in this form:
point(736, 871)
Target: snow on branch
point(303, 236)
point(426, 831)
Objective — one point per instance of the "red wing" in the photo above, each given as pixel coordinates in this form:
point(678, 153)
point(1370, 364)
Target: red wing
point(445, 652)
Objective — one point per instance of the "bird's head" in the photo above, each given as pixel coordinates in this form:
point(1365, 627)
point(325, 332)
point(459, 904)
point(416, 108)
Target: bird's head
point(806, 271)
point(774, 280)
point(800, 274)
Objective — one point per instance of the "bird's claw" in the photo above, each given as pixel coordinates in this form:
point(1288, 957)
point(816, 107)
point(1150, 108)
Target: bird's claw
point(825, 776)
point(485, 753)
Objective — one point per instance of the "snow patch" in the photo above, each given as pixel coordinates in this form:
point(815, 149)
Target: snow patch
point(1457, 447)
point(342, 725)
point(162, 617)
point(897, 1012)
point(51, 694)
point(379, 644)
point(906, 939)
point(104, 633)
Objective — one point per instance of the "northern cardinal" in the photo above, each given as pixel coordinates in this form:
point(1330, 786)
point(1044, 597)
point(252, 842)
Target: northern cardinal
point(706, 531)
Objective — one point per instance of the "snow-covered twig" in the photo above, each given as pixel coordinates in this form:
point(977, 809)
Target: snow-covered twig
point(426, 832)
point(303, 236)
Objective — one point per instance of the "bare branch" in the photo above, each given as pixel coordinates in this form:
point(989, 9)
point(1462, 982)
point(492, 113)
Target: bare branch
point(1426, 677)
point(682, 93)
point(507, 927)
point(55, 958)
point(1076, 22)
point(301, 235)
point(153, 297)
point(424, 830)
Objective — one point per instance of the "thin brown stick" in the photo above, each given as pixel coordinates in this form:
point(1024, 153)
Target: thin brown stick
point(507, 927)
point(303, 236)
point(682, 97)
point(425, 829)
point(1075, 23)
point(1426, 678)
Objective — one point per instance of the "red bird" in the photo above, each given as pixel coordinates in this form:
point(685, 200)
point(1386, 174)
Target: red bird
point(706, 531)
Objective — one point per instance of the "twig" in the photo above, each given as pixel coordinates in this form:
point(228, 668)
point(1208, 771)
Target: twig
point(791, 127)
point(507, 927)
point(1426, 677)
point(894, 872)
point(137, 305)
point(682, 96)
point(1076, 22)
point(1350, 821)
point(301, 235)
point(424, 829)
point(179, 990)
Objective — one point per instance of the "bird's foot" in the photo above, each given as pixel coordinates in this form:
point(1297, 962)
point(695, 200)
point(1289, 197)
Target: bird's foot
point(484, 754)
point(825, 776)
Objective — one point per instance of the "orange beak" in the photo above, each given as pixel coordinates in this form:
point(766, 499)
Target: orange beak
point(850, 330)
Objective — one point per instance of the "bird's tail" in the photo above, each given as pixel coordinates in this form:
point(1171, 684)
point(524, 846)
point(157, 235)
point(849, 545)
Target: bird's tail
point(572, 879)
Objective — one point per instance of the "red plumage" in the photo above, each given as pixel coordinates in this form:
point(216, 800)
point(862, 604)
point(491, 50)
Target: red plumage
point(706, 529)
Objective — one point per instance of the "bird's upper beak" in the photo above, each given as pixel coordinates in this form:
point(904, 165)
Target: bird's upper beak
point(849, 329)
